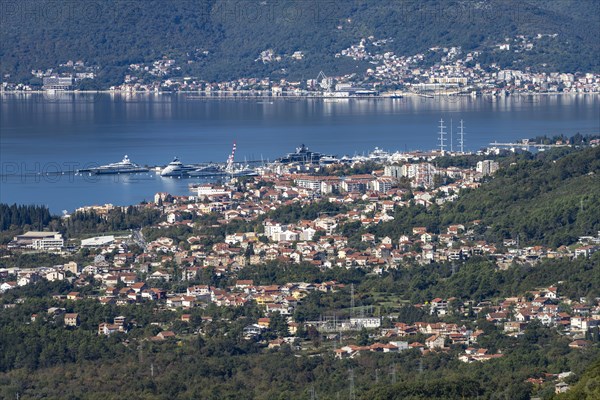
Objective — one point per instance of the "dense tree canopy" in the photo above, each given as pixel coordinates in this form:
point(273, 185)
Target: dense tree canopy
point(551, 199)
point(218, 40)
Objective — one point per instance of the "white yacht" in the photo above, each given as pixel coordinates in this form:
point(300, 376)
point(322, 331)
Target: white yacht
point(177, 168)
point(208, 171)
point(242, 171)
point(124, 166)
point(328, 160)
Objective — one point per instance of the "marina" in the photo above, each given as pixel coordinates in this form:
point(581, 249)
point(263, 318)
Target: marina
point(45, 140)
point(527, 145)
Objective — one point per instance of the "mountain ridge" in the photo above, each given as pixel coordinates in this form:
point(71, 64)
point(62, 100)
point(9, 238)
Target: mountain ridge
point(216, 40)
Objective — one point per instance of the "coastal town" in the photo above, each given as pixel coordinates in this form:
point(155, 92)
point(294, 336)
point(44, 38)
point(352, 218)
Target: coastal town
point(300, 199)
point(305, 216)
point(454, 72)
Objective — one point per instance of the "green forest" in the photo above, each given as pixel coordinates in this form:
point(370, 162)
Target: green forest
point(548, 199)
point(219, 40)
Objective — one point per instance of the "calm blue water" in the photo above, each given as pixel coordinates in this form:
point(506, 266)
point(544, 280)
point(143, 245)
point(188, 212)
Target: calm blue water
point(42, 133)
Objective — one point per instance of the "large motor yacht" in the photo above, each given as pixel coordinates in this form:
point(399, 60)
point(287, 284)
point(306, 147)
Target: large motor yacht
point(124, 166)
point(177, 168)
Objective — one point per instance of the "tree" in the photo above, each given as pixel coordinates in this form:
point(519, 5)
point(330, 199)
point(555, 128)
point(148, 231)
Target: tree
point(363, 338)
point(278, 324)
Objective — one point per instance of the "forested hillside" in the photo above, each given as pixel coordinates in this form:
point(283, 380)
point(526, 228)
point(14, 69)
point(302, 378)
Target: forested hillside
point(588, 388)
point(542, 201)
point(217, 40)
point(549, 199)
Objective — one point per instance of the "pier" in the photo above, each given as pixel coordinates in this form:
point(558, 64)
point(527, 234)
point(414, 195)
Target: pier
point(526, 144)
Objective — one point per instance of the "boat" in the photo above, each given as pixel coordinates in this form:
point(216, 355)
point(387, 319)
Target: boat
point(328, 160)
point(378, 155)
point(242, 171)
point(346, 159)
point(208, 170)
point(230, 169)
point(177, 168)
point(124, 166)
point(302, 155)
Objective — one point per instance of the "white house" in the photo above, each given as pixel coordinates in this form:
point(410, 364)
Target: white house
point(55, 276)
point(7, 286)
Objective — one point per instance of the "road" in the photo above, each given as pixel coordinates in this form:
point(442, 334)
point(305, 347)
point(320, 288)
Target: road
point(138, 238)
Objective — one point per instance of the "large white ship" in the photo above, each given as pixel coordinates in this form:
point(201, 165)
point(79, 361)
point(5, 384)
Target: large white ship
point(177, 168)
point(124, 166)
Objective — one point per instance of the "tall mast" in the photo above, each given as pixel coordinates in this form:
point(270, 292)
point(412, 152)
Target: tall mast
point(442, 137)
point(451, 139)
point(229, 166)
point(462, 137)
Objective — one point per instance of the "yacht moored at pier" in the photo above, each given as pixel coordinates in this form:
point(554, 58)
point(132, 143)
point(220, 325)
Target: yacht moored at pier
point(124, 166)
point(241, 170)
point(177, 168)
point(303, 155)
point(208, 171)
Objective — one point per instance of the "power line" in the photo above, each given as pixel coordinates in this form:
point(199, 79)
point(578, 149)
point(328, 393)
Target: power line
point(352, 298)
point(352, 395)
point(313, 393)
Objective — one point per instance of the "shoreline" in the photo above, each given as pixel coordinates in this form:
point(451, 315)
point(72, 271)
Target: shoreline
point(250, 94)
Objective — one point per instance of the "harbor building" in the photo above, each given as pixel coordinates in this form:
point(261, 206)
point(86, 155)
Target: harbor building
point(58, 83)
point(38, 241)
